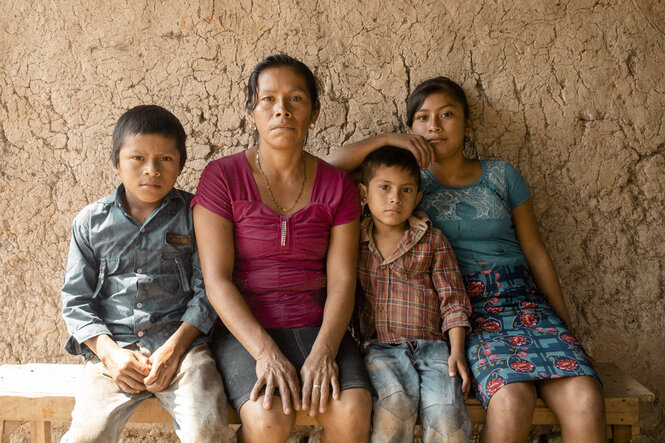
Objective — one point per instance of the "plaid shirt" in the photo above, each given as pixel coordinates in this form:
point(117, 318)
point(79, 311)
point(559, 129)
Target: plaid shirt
point(415, 294)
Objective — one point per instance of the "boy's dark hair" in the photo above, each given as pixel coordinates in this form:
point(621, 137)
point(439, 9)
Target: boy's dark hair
point(431, 86)
point(389, 156)
point(148, 119)
point(275, 61)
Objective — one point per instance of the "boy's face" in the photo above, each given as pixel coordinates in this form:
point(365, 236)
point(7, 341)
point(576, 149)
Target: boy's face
point(148, 165)
point(392, 195)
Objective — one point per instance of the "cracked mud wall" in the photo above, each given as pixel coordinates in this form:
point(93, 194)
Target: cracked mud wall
point(571, 92)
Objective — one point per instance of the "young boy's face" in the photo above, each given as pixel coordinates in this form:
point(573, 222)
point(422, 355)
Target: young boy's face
point(148, 165)
point(392, 195)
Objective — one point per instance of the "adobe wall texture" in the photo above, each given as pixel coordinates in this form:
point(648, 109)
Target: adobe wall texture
point(571, 92)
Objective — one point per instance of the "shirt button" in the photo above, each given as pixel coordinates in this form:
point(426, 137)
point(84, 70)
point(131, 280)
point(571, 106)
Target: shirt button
point(140, 334)
point(139, 270)
point(139, 305)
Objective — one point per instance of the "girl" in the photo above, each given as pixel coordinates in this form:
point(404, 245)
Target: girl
point(520, 346)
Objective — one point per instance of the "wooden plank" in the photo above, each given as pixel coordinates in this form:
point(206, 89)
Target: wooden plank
point(618, 384)
point(40, 431)
point(35, 392)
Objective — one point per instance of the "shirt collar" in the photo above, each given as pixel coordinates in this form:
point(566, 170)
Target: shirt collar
point(116, 200)
point(418, 225)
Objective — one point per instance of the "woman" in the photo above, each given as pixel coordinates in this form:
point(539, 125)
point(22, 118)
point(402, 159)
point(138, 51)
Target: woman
point(520, 346)
point(277, 231)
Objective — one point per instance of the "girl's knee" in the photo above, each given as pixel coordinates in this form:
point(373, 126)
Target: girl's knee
point(514, 401)
point(586, 396)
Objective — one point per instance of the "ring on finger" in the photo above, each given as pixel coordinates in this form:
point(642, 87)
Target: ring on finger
point(316, 386)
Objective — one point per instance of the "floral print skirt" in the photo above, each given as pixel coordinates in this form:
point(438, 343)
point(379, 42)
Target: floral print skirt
point(516, 335)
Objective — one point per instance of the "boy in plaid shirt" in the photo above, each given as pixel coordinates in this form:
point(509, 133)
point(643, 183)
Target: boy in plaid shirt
point(413, 296)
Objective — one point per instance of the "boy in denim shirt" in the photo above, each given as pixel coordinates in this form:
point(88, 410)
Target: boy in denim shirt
point(413, 296)
point(134, 295)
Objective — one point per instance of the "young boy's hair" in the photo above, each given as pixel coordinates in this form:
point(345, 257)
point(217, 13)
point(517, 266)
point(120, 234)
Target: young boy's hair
point(390, 156)
point(148, 119)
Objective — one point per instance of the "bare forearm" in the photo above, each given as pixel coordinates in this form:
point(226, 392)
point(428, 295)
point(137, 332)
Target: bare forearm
point(101, 345)
point(336, 315)
point(456, 337)
point(350, 156)
point(182, 338)
point(547, 281)
point(238, 318)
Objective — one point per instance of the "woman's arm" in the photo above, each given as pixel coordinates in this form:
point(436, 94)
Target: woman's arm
point(350, 156)
point(538, 259)
point(320, 370)
point(214, 237)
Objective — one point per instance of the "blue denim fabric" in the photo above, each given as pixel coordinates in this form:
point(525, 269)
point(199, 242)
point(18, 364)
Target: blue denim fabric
point(136, 283)
point(413, 377)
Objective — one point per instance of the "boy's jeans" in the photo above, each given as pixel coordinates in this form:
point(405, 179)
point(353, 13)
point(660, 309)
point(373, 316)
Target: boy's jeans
point(195, 399)
point(414, 376)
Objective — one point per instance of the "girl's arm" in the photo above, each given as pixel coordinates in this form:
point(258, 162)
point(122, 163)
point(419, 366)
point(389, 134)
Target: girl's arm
point(538, 259)
point(320, 371)
point(350, 156)
point(214, 237)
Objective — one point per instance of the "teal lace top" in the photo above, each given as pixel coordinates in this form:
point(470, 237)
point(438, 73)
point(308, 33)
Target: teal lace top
point(477, 218)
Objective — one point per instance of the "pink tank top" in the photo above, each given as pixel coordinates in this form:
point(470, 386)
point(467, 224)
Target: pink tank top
point(279, 260)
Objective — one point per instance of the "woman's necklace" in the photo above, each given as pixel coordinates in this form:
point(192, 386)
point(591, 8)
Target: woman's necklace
point(265, 177)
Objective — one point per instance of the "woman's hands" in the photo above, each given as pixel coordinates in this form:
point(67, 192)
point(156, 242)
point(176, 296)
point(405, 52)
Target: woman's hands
point(276, 372)
point(318, 374)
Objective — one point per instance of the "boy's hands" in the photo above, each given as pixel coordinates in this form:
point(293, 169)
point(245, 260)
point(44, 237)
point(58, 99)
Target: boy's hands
point(457, 360)
point(457, 365)
point(164, 364)
point(127, 368)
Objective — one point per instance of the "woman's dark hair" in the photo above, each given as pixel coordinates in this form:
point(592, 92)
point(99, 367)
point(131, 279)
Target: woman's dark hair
point(389, 156)
point(431, 86)
point(275, 61)
point(148, 119)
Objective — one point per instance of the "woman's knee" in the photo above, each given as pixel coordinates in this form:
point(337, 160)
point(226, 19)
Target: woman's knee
point(261, 425)
point(350, 416)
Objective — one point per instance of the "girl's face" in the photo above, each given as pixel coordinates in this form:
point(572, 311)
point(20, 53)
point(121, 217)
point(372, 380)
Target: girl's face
point(441, 121)
point(284, 109)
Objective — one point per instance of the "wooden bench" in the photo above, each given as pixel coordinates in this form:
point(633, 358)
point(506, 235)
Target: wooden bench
point(44, 393)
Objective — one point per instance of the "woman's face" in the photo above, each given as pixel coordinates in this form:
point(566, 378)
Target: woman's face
point(441, 121)
point(283, 109)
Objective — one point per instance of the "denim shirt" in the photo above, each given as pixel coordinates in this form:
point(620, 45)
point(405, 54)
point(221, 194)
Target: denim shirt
point(136, 283)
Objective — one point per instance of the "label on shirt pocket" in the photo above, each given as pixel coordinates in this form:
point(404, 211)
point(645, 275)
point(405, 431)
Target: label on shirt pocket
point(174, 238)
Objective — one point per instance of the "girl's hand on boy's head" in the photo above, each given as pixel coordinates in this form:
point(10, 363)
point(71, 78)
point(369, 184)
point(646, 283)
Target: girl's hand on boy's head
point(416, 144)
point(457, 366)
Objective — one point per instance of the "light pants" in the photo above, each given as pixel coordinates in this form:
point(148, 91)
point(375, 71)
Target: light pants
point(409, 377)
point(195, 399)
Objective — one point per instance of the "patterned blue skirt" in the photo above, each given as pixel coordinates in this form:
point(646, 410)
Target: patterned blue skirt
point(516, 335)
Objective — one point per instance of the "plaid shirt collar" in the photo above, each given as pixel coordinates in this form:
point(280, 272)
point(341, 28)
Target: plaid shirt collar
point(418, 225)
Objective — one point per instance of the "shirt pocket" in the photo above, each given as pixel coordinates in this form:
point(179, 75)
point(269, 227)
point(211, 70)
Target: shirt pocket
point(105, 284)
point(176, 271)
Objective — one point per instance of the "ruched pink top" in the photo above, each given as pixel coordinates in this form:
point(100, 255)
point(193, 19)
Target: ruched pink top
point(280, 261)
